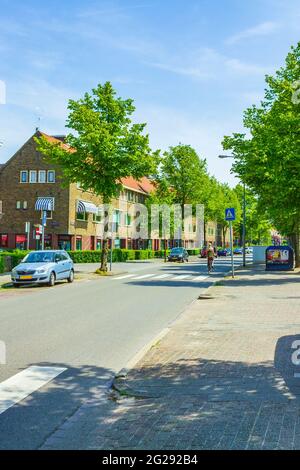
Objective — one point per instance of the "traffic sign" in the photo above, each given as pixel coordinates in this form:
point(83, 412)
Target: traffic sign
point(230, 214)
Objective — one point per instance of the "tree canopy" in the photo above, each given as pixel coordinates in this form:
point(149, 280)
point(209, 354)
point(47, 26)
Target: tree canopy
point(268, 159)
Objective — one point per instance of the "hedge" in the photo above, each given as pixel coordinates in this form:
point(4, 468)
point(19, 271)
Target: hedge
point(118, 255)
point(8, 260)
point(89, 256)
point(2, 264)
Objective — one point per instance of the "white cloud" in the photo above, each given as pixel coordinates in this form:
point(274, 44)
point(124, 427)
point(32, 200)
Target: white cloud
point(244, 68)
point(40, 97)
point(206, 64)
point(262, 29)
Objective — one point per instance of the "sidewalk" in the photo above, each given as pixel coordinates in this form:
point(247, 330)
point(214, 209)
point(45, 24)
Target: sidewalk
point(222, 378)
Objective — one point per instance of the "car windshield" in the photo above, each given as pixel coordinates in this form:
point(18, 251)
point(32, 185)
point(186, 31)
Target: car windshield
point(39, 257)
point(176, 251)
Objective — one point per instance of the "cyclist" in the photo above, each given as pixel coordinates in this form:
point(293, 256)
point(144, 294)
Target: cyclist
point(210, 257)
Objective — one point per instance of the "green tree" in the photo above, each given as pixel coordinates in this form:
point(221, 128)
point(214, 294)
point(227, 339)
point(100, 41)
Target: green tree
point(185, 173)
point(258, 226)
point(105, 147)
point(182, 179)
point(268, 160)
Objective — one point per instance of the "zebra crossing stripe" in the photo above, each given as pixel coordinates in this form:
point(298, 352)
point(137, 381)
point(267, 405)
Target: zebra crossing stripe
point(162, 276)
point(180, 277)
point(200, 278)
point(144, 276)
point(19, 386)
point(123, 277)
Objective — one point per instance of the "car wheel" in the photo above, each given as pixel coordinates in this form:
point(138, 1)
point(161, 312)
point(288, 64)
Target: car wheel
point(51, 279)
point(71, 276)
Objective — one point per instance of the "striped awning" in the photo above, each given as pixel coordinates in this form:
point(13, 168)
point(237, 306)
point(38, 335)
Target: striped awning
point(83, 206)
point(44, 204)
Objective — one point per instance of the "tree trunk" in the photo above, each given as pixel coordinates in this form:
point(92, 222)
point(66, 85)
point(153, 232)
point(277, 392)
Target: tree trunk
point(104, 254)
point(204, 228)
point(224, 230)
point(294, 238)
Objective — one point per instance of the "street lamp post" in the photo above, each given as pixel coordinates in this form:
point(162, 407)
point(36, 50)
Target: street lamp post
point(244, 216)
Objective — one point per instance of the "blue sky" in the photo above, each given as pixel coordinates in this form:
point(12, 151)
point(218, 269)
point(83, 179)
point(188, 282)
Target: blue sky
point(192, 66)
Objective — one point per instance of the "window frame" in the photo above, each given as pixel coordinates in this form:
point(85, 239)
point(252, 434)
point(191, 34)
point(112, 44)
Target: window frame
point(47, 218)
point(39, 178)
point(48, 181)
point(85, 216)
point(27, 176)
point(32, 172)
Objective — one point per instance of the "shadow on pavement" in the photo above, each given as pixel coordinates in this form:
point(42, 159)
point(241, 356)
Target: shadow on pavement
point(194, 403)
point(30, 422)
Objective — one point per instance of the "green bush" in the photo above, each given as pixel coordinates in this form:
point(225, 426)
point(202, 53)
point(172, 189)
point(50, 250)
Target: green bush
point(87, 256)
point(193, 252)
point(118, 255)
point(2, 264)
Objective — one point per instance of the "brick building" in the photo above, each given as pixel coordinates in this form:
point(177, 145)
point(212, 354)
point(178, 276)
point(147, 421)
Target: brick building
point(30, 185)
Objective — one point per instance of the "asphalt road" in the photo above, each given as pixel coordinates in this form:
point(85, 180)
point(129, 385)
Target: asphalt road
point(89, 330)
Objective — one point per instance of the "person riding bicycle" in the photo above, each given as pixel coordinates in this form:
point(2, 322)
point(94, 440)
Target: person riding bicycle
point(210, 257)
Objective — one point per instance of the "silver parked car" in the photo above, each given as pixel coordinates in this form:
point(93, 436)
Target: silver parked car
point(43, 267)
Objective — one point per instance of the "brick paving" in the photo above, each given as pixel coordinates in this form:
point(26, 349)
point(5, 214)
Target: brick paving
point(222, 378)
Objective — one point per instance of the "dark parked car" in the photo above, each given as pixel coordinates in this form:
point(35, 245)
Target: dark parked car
point(224, 252)
point(178, 254)
point(203, 253)
point(238, 251)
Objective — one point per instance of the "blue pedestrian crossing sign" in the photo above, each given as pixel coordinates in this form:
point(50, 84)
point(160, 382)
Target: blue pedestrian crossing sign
point(230, 214)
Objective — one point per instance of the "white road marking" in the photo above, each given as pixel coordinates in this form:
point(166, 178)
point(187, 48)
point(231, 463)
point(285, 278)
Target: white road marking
point(18, 387)
point(162, 276)
point(123, 277)
point(200, 278)
point(180, 277)
point(144, 276)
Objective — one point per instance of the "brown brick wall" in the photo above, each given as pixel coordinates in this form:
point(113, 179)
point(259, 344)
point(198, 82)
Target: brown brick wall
point(11, 190)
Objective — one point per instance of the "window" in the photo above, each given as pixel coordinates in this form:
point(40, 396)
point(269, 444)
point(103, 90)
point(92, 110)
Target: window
point(18, 205)
point(47, 241)
point(24, 176)
point(42, 176)
point(3, 240)
point(25, 205)
point(116, 216)
point(79, 243)
point(64, 242)
point(128, 219)
point(49, 214)
point(21, 242)
point(51, 176)
point(82, 216)
point(98, 244)
point(97, 218)
point(32, 176)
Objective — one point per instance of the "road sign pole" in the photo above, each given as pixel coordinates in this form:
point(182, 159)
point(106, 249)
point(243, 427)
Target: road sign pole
point(43, 236)
point(244, 226)
point(231, 248)
point(27, 230)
